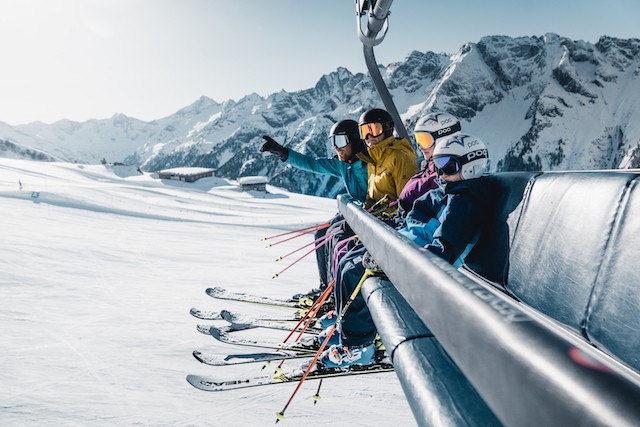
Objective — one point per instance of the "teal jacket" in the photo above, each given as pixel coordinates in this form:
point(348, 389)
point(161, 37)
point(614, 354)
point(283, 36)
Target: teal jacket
point(354, 175)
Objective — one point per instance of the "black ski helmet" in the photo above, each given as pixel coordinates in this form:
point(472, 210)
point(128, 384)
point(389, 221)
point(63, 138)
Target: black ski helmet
point(348, 128)
point(378, 115)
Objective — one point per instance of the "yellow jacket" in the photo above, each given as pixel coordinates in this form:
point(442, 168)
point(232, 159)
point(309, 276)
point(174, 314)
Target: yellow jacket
point(390, 164)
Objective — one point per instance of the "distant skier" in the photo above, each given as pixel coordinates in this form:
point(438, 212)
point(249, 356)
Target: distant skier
point(20, 184)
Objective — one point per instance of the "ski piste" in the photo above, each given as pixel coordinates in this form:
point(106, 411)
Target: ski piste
point(222, 293)
point(215, 384)
point(218, 359)
point(223, 335)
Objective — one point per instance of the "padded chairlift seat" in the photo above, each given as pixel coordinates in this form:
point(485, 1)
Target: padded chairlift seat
point(613, 317)
point(560, 241)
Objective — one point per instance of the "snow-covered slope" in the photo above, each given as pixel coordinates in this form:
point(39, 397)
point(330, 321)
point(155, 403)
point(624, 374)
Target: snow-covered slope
point(540, 103)
point(98, 275)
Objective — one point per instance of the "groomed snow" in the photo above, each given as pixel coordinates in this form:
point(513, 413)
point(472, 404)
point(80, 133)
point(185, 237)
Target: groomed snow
point(100, 267)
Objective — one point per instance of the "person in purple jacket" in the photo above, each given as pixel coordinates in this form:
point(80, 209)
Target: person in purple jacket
point(429, 129)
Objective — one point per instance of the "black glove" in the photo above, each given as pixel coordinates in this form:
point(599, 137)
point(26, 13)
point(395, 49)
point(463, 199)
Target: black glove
point(273, 147)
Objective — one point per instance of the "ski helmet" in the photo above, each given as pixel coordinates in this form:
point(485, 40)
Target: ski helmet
point(376, 122)
point(434, 126)
point(464, 153)
point(344, 133)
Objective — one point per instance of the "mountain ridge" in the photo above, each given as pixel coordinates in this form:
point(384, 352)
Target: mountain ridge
point(539, 103)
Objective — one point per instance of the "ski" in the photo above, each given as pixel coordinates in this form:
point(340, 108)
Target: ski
point(222, 293)
point(223, 335)
point(214, 384)
point(232, 317)
point(249, 322)
point(217, 359)
point(205, 315)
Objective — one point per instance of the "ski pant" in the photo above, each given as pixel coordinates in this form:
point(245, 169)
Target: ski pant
point(357, 327)
point(338, 230)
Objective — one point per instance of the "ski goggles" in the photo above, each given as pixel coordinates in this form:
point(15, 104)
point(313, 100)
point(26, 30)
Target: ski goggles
point(427, 139)
point(373, 129)
point(447, 165)
point(451, 165)
point(340, 141)
point(424, 139)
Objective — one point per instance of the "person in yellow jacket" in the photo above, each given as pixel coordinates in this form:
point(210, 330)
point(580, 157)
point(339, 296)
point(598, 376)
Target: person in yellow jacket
point(390, 161)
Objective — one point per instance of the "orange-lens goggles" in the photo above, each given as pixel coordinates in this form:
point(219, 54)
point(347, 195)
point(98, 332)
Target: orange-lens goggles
point(424, 140)
point(373, 129)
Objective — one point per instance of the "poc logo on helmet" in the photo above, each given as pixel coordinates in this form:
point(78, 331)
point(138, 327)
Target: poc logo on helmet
point(445, 121)
point(478, 154)
point(472, 143)
point(441, 131)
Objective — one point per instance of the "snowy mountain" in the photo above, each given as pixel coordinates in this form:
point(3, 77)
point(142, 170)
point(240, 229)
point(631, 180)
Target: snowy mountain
point(540, 103)
point(100, 267)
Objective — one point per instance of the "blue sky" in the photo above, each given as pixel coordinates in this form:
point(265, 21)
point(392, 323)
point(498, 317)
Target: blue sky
point(81, 59)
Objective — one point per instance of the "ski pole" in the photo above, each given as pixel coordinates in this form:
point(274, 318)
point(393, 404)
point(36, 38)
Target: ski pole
point(299, 259)
point(308, 314)
point(367, 273)
point(316, 396)
point(381, 209)
point(311, 315)
point(377, 204)
point(318, 240)
point(312, 228)
point(291, 238)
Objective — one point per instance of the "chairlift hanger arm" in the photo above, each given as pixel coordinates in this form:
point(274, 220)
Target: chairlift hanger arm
point(378, 21)
point(378, 11)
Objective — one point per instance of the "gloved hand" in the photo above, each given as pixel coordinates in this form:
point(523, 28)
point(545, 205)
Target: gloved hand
point(273, 147)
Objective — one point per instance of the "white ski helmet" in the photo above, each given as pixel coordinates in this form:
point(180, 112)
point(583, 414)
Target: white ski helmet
point(464, 153)
point(434, 126)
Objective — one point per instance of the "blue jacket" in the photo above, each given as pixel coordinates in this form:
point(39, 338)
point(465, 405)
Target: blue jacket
point(354, 175)
point(448, 221)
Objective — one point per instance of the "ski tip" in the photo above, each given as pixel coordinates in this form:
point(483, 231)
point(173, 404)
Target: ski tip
point(198, 355)
point(227, 315)
point(215, 332)
point(203, 329)
point(193, 380)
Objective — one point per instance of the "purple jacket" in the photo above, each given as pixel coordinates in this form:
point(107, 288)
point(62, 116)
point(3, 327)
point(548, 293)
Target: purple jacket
point(418, 185)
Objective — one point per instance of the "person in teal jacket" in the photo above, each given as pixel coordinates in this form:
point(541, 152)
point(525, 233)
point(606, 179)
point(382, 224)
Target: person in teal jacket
point(346, 143)
point(345, 137)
